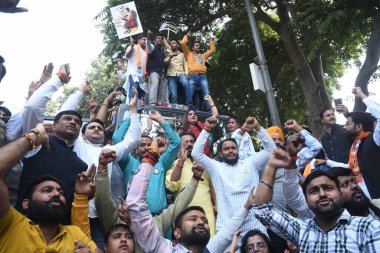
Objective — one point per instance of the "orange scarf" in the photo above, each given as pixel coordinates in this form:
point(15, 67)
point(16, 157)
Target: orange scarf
point(139, 57)
point(353, 157)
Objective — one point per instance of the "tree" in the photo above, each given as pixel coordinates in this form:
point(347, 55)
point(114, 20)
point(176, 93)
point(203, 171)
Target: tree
point(193, 15)
point(345, 29)
point(230, 79)
point(319, 37)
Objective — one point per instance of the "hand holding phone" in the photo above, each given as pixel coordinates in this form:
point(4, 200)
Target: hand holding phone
point(338, 103)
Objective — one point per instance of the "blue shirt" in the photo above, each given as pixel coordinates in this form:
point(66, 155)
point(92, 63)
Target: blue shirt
point(156, 196)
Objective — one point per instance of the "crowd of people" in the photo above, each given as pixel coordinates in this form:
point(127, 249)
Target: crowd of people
point(174, 75)
point(74, 186)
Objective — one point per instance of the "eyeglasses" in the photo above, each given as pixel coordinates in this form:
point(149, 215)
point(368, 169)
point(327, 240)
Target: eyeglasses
point(259, 246)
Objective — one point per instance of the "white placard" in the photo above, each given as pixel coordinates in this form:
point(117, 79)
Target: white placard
point(126, 20)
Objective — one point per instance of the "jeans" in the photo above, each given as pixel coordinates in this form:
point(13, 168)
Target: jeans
point(199, 80)
point(173, 82)
point(140, 92)
point(158, 91)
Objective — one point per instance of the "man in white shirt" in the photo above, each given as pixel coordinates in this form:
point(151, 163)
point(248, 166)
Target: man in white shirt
point(137, 56)
point(88, 147)
point(233, 178)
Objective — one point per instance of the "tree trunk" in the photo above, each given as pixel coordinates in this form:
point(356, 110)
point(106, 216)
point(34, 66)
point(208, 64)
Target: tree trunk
point(317, 69)
point(316, 96)
point(370, 63)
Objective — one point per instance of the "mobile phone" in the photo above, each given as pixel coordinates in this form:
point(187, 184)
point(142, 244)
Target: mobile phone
point(338, 101)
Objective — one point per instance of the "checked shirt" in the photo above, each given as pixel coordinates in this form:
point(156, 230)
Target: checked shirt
point(349, 234)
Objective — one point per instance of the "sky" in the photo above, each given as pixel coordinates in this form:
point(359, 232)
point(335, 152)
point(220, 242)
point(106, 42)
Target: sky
point(52, 31)
point(64, 32)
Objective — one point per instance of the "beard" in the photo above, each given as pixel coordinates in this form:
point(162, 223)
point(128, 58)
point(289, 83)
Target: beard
point(189, 150)
point(280, 146)
point(41, 212)
point(231, 161)
point(357, 207)
point(195, 238)
point(327, 212)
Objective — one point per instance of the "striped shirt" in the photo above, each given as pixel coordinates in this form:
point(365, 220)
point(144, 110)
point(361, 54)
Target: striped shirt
point(233, 183)
point(349, 234)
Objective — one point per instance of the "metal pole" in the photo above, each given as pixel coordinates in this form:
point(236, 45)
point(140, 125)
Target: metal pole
point(263, 67)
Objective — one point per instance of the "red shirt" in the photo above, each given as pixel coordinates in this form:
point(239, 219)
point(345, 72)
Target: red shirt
point(196, 130)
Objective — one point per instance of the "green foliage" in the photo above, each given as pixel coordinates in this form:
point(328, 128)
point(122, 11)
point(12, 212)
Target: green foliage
point(102, 76)
point(333, 31)
point(230, 78)
point(336, 29)
point(199, 15)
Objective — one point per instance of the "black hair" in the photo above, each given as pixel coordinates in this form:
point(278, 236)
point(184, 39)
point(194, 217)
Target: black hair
point(188, 133)
point(146, 136)
point(339, 172)
point(121, 89)
point(30, 188)
point(363, 118)
point(3, 72)
point(223, 141)
point(116, 227)
point(251, 233)
point(108, 136)
point(195, 42)
point(321, 114)
point(91, 121)
point(6, 110)
point(67, 112)
point(235, 118)
point(186, 125)
point(178, 220)
point(176, 40)
point(3, 69)
point(141, 36)
point(313, 175)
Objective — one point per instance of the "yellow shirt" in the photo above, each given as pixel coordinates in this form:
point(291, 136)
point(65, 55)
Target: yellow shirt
point(19, 234)
point(177, 65)
point(202, 196)
point(196, 63)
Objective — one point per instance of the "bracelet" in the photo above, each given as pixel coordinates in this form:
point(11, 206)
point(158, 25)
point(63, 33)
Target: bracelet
point(40, 137)
point(105, 104)
point(198, 178)
point(27, 136)
point(267, 184)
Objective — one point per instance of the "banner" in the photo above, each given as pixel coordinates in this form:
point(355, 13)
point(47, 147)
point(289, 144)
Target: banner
point(126, 20)
point(167, 26)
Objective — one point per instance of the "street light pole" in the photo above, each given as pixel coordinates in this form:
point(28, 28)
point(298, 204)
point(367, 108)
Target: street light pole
point(275, 118)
